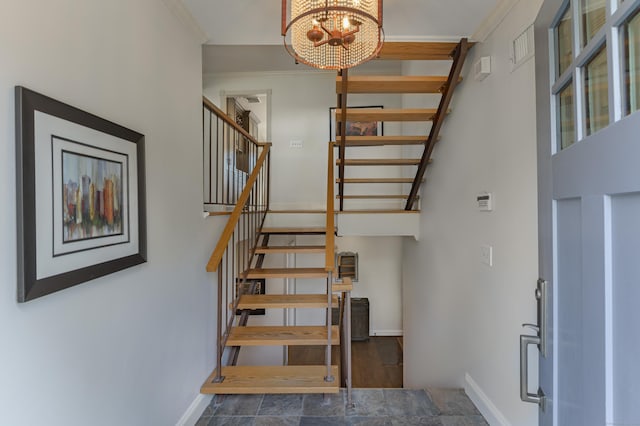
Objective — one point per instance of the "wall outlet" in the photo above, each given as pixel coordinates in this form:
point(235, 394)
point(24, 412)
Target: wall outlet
point(295, 144)
point(486, 255)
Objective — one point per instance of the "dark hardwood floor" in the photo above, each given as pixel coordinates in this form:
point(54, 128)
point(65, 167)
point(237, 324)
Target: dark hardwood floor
point(376, 363)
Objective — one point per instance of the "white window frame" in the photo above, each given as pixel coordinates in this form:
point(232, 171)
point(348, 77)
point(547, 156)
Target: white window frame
point(617, 14)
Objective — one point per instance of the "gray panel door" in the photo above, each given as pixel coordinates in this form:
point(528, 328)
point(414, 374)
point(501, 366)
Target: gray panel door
point(589, 209)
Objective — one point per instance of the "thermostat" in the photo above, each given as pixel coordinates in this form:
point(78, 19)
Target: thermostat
point(485, 202)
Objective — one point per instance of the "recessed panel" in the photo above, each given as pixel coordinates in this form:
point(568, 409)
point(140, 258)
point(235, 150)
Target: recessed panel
point(569, 321)
point(626, 310)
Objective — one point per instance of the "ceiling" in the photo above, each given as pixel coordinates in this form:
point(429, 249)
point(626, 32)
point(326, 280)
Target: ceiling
point(252, 24)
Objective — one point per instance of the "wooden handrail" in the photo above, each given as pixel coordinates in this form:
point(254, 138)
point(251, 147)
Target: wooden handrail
point(342, 105)
point(331, 226)
point(221, 247)
point(224, 117)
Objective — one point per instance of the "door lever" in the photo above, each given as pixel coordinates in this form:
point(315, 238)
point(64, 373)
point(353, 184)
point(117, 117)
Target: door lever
point(540, 340)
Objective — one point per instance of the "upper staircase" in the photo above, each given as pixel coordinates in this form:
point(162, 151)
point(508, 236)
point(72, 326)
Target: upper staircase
point(400, 191)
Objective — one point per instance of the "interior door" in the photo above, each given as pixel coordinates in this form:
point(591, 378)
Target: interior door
point(588, 87)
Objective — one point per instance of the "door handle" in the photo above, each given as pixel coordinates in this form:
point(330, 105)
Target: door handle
point(525, 395)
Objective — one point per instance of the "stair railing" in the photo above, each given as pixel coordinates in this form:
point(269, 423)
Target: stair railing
point(233, 254)
point(458, 56)
point(342, 132)
point(345, 301)
point(330, 254)
point(229, 154)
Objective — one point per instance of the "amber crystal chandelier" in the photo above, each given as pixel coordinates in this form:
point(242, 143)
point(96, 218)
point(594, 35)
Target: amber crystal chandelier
point(332, 34)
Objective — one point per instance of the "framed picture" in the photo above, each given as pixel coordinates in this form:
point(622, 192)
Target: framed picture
point(81, 196)
point(356, 128)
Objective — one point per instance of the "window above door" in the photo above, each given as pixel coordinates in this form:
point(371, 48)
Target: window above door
point(595, 67)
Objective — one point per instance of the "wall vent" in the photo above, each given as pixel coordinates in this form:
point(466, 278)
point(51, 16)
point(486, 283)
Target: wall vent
point(522, 48)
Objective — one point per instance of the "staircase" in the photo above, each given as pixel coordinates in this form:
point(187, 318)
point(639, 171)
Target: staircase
point(245, 243)
point(239, 259)
point(287, 378)
point(402, 192)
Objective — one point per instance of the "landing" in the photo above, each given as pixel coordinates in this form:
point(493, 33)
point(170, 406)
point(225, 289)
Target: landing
point(434, 407)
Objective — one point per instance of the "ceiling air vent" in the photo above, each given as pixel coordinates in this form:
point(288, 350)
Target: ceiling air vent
point(522, 48)
point(253, 99)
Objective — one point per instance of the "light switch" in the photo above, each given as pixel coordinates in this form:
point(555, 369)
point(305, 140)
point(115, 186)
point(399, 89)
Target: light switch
point(486, 254)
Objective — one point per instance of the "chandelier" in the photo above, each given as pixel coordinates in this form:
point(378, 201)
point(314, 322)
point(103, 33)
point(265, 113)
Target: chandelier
point(333, 34)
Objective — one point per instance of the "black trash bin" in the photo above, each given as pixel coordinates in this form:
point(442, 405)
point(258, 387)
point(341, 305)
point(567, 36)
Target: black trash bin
point(359, 319)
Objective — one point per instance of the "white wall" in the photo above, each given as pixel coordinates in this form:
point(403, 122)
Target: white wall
point(461, 316)
point(134, 347)
point(300, 111)
point(379, 280)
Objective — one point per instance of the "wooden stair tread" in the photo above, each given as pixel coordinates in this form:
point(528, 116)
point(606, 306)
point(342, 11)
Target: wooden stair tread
point(345, 285)
point(382, 140)
point(290, 249)
point(287, 273)
point(375, 197)
point(393, 84)
point(339, 288)
point(417, 51)
point(378, 211)
point(381, 162)
point(282, 335)
point(297, 211)
point(388, 114)
point(273, 380)
point(268, 301)
point(296, 231)
point(376, 180)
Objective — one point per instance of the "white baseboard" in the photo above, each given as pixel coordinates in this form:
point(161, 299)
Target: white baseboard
point(386, 333)
point(193, 413)
point(487, 408)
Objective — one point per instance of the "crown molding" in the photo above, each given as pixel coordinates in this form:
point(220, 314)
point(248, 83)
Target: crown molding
point(180, 11)
point(309, 72)
point(493, 20)
point(424, 39)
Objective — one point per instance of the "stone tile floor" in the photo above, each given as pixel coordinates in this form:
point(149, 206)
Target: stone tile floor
point(371, 407)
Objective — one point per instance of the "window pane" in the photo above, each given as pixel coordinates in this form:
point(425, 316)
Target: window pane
point(596, 93)
point(566, 117)
point(564, 42)
point(593, 18)
point(632, 63)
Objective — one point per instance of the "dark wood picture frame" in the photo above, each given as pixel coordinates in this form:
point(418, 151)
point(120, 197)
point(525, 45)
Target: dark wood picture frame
point(31, 141)
point(333, 130)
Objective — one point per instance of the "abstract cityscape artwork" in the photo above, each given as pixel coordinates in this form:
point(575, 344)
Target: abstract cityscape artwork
point(91, 197)
point(81, 196)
